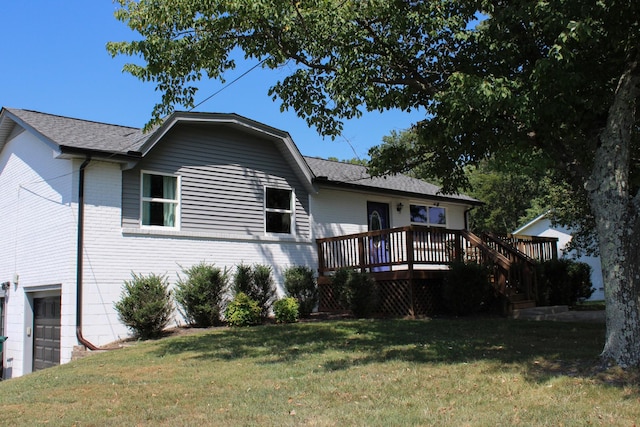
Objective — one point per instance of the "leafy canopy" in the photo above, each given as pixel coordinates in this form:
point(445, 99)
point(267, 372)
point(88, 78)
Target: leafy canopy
point(492, 75)
point(347, 55)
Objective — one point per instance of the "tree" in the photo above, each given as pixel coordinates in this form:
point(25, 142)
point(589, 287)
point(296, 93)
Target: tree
point(558, 80)
point(513, 194)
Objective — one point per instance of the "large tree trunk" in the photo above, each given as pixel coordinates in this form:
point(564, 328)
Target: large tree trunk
point(618, 225)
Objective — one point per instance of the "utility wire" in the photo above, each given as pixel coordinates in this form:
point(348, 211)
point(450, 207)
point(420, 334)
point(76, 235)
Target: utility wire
point(229, 84)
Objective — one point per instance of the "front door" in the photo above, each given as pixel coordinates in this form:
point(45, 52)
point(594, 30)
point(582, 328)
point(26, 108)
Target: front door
point(46, 337)
point(378, 219)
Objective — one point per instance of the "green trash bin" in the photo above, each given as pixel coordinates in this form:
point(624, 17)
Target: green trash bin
point(2, 340)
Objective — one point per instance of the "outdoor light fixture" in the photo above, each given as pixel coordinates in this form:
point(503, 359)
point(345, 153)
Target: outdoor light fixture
point(399, 207)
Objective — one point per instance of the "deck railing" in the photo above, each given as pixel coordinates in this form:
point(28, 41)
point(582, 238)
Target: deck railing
point(534, 247)
point(417, 247)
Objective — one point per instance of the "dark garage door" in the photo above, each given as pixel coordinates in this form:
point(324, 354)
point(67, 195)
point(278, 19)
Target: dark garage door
point(46, 338)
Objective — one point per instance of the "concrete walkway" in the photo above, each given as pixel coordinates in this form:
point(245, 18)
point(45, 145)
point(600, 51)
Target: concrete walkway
point(559, 313)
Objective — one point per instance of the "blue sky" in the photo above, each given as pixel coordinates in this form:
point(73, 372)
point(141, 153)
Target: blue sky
point(53, 59)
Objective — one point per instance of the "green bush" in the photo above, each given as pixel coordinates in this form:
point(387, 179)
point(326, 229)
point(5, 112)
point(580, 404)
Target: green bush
point(300, 283)
point(201, 294)
point(563, 282)
point(339, 282)
point(466, 289)
point(286, 310)
point(145, 305)
point(242, 311)
point(257, 283)
point(356, 291)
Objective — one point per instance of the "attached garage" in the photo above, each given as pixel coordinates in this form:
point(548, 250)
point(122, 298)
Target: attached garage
point(46, 332)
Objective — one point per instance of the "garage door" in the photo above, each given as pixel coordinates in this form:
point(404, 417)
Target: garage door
point(46, 327)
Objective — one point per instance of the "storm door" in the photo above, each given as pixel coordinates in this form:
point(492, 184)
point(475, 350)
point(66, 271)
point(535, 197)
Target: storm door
point(378, 219)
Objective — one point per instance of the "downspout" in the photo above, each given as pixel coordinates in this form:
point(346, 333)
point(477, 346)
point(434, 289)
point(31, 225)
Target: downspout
point(80, 257)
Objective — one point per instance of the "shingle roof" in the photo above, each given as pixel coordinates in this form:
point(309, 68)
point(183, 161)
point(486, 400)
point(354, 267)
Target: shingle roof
point(80, 134)
point(348, 175)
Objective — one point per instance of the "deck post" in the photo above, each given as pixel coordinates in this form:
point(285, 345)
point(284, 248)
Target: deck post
point(361, 254)
point(321, 262)
point(458, 247)
point(410, 259)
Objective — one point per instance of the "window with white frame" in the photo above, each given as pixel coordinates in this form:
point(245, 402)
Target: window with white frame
point(428, 215)
point(278, 210)
point(160, 200)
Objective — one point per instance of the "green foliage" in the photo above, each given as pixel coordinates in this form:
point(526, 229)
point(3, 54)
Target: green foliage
point(257, 282)
point(286, 310)
point(242, 311)
point(563, 282)
point(356, 291)
point(300, 283)
point(201, 294)
point(466, 289)
point(353, 161)
point(510, 193)
point(346, 58)
point(242, 279)
point(145, 305)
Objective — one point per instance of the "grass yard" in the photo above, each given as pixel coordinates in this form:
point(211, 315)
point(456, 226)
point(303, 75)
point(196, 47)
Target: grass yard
point(477, 372)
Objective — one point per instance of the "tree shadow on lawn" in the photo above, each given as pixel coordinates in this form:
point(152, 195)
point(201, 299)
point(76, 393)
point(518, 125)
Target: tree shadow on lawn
point(544, 349)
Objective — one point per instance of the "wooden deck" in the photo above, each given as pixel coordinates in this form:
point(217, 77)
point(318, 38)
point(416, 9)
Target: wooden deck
point(410, 262)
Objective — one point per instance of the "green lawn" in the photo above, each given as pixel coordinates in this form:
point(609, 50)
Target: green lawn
point(476, 372)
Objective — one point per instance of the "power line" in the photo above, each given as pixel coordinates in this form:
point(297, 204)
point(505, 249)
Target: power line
point(229, 84)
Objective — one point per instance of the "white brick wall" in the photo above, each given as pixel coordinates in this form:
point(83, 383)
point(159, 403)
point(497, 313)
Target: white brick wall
point(37, 237)
point(111, 254)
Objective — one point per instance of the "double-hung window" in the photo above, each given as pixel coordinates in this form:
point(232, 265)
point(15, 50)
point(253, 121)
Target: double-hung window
point(160, 200)
point(428, 215)
point(278, 210)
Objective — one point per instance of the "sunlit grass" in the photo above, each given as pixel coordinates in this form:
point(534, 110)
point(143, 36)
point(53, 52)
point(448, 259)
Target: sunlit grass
point(375, 373)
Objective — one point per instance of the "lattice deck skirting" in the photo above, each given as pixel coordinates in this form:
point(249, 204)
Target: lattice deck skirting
point(400, 295)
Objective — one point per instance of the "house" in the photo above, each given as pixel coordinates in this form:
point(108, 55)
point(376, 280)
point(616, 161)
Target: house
point(544, 227)
point(85, 204)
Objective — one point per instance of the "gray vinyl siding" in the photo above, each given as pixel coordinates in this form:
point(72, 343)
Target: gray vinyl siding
point(223, 173)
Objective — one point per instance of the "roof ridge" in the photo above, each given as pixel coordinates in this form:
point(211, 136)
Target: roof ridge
point(73, 118)
point(342, 162)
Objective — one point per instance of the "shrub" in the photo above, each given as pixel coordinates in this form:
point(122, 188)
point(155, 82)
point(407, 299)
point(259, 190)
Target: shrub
point(563, 282)
point(339, 287)
point(242, 280)
point(242, 311)
point(300, 283)
point(201, 294)
point(286, 310)
point(257, 283)
point(466, 289)
point(356, 291)
point(145, 305)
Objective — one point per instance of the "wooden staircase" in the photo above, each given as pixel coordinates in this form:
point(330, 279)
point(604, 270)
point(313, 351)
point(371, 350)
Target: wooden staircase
point(513, 271)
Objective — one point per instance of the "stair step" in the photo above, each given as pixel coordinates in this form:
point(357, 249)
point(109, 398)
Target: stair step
point(538, 312)
point(523, 304)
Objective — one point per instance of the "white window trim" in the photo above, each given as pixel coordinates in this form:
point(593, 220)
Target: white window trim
point(177, 200)
point(291, 211)
point(432, 205)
